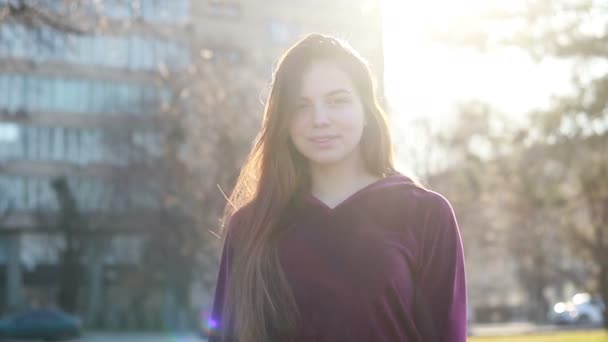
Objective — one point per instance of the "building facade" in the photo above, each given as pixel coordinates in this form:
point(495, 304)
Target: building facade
point(64, 96)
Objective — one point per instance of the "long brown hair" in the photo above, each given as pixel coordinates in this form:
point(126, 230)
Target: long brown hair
point(259, 303)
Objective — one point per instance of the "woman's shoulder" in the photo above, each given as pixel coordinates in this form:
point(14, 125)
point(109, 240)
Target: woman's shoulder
point(235, 221)
point(410, 193)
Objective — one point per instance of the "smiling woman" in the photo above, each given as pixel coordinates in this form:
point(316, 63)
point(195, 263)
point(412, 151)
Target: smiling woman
point(326, 240)
point(328, 118)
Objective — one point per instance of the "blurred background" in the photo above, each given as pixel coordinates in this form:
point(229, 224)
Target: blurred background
point(122, 123)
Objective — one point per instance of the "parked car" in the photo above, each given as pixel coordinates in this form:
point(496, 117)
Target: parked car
point(42, 324)
point(582, 309)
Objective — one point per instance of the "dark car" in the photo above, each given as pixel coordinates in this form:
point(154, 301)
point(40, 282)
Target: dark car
point(42, 324)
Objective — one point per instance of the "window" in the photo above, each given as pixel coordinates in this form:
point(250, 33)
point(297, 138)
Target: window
point(81, 93)
point(45, 89)
point(88, 50)
point(117, 9)
point(58, 141)
point(147, 54)
point(30, 194)
point(18, 41)
point(135, 50)
point(31, 92)
point(31, 148)
point(17, 88)
point(45, 148)
point(4, 89)
point(68, 146)
point(181, 10)
point(69, 98)
point(86, 95)
point(17, 193)
point(9, 141)
point(117, 52)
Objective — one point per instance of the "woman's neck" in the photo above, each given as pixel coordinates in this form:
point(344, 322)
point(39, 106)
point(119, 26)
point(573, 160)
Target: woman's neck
point(334, 183)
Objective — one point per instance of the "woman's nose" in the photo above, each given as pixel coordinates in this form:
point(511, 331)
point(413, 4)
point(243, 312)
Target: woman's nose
point(320, 116)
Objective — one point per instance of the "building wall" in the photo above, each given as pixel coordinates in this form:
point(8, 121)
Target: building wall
point(62, 95)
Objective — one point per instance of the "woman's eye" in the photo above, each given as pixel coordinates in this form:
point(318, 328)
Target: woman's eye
point(339, 100)
point(302, 106)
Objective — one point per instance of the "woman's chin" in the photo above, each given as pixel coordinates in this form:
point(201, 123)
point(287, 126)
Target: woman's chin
point(326, 159)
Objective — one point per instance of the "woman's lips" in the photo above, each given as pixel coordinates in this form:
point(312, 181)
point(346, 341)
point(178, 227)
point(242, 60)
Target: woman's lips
point(323, 141)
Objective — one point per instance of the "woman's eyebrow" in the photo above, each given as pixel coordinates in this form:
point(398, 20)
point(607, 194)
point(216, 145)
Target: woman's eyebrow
point(330, 93)
point(337, 91)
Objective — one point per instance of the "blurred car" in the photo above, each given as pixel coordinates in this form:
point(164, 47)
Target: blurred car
point(582, 309)
point(42, 324)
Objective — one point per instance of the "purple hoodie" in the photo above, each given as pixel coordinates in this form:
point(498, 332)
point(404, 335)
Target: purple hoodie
point(386, 264)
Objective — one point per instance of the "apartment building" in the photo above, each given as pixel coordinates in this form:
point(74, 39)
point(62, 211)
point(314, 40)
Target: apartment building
point(62, 96)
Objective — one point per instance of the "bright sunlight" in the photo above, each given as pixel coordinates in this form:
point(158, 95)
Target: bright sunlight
point(426, 78)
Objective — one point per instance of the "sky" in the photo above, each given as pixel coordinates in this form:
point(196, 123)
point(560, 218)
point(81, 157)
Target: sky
point(425, 79)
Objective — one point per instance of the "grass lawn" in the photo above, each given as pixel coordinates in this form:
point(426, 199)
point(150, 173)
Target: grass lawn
point(588, 336)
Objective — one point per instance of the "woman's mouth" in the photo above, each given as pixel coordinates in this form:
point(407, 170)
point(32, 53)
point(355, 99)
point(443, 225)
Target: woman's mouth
point(323, 140)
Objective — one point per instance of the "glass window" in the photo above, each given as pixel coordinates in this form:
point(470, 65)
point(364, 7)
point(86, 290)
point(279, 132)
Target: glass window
point(41, 143)
point(117, 9)
point(4, 37)
point(28, 194)
point(16, 86)
point(45, 51)
point(85, 47)
point(134, 52)
point(67, 144)
point(39, 193)
point(59, 45)
point(75, 147)
point(163, 9)
point(165, 97)
point(148, 9)
point(85, 97)
point(9, 140)
point(30, 143)
point(86, 148)
point(49, 89)
point(147, 97)
point(118, 52)
point(78, 96)
point(19, 41)
point(23, 141)
point(58, 138)
point(4, 90)
point(69, 96)
point(96, 91)
point(96, 50)
point(71, 48)
point(105, 98)
point(62, 98)
point(60, 95)
point(148, 55)
point(18, 193)
point(31, 93)
point(182, 10)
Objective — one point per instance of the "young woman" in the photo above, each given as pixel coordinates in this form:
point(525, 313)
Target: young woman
point(325, 240)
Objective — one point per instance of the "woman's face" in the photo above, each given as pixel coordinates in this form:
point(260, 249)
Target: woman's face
point(327, 116)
